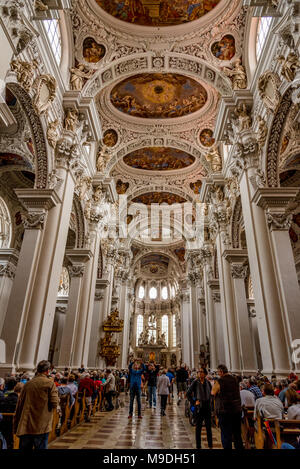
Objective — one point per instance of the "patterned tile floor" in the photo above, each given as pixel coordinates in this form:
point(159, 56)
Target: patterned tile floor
point(109, 430)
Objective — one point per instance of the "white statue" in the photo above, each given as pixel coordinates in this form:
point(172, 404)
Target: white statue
point(78, 75)
point(237, 74)
point(102, 159)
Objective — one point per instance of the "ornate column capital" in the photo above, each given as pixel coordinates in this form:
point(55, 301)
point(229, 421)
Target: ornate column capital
point(279, 221)
point(239, 271)
point(216, 297)
point(33, 220)
point(76, 270)
point(8, 270)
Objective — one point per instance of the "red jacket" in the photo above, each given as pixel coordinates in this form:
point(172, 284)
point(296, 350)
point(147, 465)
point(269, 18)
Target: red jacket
point(88, 385)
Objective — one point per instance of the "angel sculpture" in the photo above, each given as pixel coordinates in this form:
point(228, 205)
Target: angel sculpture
point(78, 76)
point(237, 74)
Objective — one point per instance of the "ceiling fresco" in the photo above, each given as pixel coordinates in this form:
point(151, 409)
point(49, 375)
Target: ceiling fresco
point(158, 96)
point(154, 263)
point(180, 253)
point(122, 187)
point(159, 198)
point(206, 138)
point(159, 159)
point(158, 12)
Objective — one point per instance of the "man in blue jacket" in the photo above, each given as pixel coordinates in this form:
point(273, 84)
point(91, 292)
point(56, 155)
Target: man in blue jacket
point(136, 369)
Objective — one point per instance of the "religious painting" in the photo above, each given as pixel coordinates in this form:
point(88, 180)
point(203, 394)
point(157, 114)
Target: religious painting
point(158, 12)
point(224, 49)
point(158, 96)
point(10, 159)
point(92, 51)
point(110, 138)
point(159, 198)
point(196, 187)
point(180, 253)
point(159, 159)
point(30, 146)
point(293, 161)
point(206, 138)
point(134, 250)
point(122, 187)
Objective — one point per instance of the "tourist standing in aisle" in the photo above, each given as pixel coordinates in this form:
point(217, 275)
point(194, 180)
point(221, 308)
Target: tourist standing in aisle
point(33, 417)
point(136, 369)
point(163, 389)
point(152, 372)
point(228, 408)
point(181, 382)
point(199, 393)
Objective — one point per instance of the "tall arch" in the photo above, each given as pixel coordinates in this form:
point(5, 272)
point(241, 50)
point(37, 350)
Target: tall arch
point(39, 141)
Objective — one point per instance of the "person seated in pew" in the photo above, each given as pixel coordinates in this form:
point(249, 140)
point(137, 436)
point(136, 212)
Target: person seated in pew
point(293, 401)
point(64, 390)
point(9, 403)
point(269, 406)
point(247, 397)
point(72, 385)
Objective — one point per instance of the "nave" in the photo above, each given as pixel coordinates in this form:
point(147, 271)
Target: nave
point(113, 430)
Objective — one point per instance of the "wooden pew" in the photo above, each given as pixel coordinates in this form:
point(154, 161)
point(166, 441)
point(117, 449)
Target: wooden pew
point(53, 433)
point(248, 427)
point(287, 431)
point(81, 398)
point(75, 412)
point(11, 439)
point(65, 411)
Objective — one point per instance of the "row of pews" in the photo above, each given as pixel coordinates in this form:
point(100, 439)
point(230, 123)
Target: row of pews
point(64, 417)
point(268, 434)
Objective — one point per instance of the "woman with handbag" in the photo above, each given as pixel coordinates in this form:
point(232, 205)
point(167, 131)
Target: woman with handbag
point(199, 393)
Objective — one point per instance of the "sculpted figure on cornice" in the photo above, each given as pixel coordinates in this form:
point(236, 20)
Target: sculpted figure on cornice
point(103, 158)
point(79, 76)
point(237, 74)
point(71, 120)
point(25, 72)
point(53, 133)
point(215, 159)
point(290, 66)
point(242, 118)
point(262, 131)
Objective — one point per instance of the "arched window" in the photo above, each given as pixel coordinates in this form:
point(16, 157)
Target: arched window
point(53, 33)
point(262, 32)
point(139, 327)
point(153, 293)
point(173, 291)
point(165, 328)
point(141, 292)
point(5, 225)
point(174, 330)
point(164, 293)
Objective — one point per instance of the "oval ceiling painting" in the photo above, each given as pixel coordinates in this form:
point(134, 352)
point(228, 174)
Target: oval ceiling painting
point(159, 198)
point(158, 96)
point(158, 12)
point(159, 159)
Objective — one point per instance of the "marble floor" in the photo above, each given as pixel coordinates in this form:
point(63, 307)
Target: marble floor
point(113, 430)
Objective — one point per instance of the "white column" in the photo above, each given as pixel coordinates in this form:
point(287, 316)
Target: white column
point(210, 314)
point(219, 330)
point(37, 202)
point(8, 263)
point(98, 318)
point(126, 329)
point(228, 305)
point(275, 202)
point(81, 346)
point(38, 329)
point(239, 271)
point(78, 259)
point(270, 323)
point(186, 329)
point(195, 327)
point(212, 286)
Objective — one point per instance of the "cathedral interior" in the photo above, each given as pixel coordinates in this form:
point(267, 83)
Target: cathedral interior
point(149, 183)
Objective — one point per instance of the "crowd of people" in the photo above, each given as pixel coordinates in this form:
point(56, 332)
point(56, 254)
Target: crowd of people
point(213, 396)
